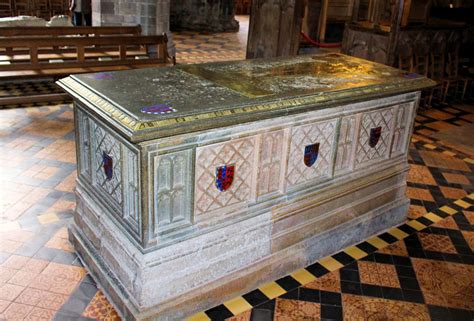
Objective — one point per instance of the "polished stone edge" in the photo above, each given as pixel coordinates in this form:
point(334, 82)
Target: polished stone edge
point(137, 131)
point(374, 222)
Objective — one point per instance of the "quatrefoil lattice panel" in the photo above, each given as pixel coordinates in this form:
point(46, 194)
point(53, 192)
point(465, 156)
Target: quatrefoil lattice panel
point(239, 152)
point(302, 136)
point(103, 142)
point(364, 152)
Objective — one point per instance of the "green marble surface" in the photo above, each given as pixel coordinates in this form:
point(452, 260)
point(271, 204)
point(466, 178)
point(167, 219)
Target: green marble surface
point(200, 93)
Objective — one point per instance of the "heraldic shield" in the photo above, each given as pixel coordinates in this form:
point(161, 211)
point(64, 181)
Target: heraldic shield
point(374, 136)
point(108, 165)
point(311, 154)
point(224, 177)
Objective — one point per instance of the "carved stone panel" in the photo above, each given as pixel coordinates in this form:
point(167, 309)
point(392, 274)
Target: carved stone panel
point(131, 204)
point(84, 144)
point(109, 167)
point(370, 122)
point(400, 132)
point(321, 133)
point(271, 159)
point(346, 144)
point(172, 190)
point(241, 154)
point(107, 148)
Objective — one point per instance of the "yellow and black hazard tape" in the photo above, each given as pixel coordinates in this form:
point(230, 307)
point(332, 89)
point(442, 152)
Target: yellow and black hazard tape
point(331, 263)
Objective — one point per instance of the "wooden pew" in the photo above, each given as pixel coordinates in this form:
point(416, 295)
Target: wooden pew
point(41, 8)
point(70, 31)
point(33, 54)
point(6, 8)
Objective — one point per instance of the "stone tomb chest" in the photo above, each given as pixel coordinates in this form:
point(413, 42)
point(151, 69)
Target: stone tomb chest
point(198, 183)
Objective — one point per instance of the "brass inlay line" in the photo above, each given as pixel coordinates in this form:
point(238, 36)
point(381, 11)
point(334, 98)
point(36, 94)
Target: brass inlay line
point(132, 124)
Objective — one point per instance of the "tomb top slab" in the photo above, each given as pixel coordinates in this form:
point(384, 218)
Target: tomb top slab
point(151, 103)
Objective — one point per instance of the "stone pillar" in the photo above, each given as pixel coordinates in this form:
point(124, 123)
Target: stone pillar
point(311, 19)
point(163, 23)
point(152, 15)
point(204, 15)
point(274, 28)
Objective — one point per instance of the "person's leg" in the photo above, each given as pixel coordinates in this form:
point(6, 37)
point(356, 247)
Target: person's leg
point(77, 18)
point(81, 19)
point(88, 19)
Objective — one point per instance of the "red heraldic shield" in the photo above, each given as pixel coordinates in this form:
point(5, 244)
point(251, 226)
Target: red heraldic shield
point(311, 154)
point(224, 177)
point(374, 136)
point(108, 165)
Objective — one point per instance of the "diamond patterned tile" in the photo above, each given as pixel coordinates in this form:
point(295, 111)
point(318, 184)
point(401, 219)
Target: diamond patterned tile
point(437, 243)
point(397, 248)
point(440, 125)
point(9, 246)
point(293, 310)
point(69, 272)
point(15, 262)
point(99, 308)
point(419, 194)
point(50, 300)
point(10, 292)
point(470, 216)
point(439, 160)
point(30, 296)
point(329, 282)
point(22, 278)
point(456, 178)
point(421, 175)
point(54, 284)
point(425, 132)
point(49, 128)
point(469, 117)
point(365, 308)
point(39, 314)
point(437, 114)
point(448, 223)
point(245, 316)
point(452, 193)
point(469, 237)
point(17, 311)
point(415, 211)
point(446, 284)
point(35, 266)
point(378, 274)
point(6, 274)
point(451, 110)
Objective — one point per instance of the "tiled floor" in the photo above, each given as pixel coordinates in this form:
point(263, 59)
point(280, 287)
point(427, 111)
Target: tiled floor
point(192, 47)
point(421, 271)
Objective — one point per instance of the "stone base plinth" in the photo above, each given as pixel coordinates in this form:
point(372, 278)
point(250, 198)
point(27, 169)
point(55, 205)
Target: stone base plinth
point(179, 280)
point(199, 183)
